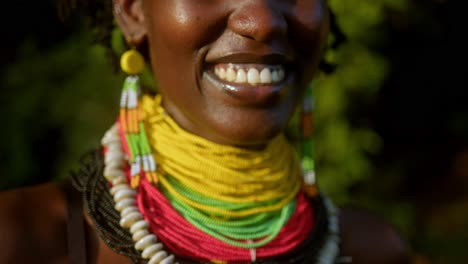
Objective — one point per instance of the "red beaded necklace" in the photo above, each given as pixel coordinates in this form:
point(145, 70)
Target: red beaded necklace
point(184, 239)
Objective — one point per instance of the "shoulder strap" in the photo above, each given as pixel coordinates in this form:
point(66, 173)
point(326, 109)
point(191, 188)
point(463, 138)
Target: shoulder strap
point(75, 224)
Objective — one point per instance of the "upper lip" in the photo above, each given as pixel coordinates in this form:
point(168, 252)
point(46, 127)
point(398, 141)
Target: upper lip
point(252, 58)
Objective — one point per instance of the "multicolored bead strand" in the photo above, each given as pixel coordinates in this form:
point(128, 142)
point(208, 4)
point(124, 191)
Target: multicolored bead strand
point(141, 157)
point(148, 212)
point(224, 191)
point(182, 237)
point(307, 160)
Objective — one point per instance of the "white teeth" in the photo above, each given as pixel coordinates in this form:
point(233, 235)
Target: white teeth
point(275, 77)
point(251, 75)
point(265, 76)
point(222, 73)
point(231, 75)
point(281, 74)
point(241, 76)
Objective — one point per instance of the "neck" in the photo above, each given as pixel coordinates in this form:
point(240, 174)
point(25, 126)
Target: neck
point(191, 159)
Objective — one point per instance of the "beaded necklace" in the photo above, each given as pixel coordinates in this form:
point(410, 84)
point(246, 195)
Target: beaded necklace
point(252, 222)
point(148, 244)
point(143, 163)
point(234, 203)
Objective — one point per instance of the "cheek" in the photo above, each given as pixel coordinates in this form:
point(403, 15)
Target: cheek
point(309, 27)
point(180, 26)
point(177, 32)
point(171, 50)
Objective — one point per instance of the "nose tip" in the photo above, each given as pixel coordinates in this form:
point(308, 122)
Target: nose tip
point(258, 20)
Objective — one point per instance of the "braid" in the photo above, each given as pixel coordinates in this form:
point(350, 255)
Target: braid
point(100, 205)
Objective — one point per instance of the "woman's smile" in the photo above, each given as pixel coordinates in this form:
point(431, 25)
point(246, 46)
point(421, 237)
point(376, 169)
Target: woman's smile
point(250, 74)
point(249, 79)
point(234, 71)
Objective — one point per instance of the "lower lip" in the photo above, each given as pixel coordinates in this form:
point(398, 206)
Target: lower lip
point(247, 94)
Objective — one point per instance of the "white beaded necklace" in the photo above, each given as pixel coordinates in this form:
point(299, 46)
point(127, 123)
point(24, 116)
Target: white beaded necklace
point(125, 202)
point(146, 242)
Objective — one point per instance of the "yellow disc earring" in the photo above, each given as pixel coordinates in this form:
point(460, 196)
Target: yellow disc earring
point(132, 62)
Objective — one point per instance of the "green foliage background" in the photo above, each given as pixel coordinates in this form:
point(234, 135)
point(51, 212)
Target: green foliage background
point(56, 103)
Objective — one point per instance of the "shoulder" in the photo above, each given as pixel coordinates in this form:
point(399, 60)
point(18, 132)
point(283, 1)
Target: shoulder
point(368, 239)
point(33, 225)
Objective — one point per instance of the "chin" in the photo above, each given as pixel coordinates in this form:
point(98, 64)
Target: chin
point(248, 111)
point(247, 127)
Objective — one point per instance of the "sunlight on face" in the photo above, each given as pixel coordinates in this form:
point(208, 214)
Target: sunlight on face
point(233, 71)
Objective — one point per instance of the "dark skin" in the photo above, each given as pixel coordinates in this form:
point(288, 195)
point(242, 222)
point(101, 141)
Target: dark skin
point(186, 39)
